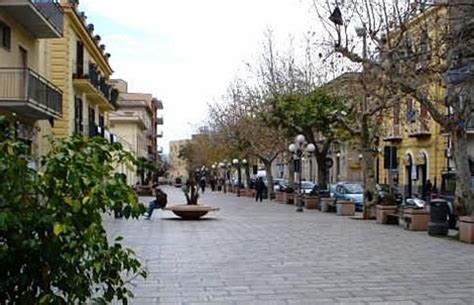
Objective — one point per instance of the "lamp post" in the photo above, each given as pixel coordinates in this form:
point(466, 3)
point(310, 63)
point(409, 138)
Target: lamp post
point(298, 149)
point(238, 163)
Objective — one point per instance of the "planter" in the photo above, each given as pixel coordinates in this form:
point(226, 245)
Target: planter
point(466, 229)
point(345, 208)
point(416, 219)
point(383, 211)
point(191, 211)
point(327, 204)
point(289, 198)
point(280, 197)
point(311, 202)
point(250, 193)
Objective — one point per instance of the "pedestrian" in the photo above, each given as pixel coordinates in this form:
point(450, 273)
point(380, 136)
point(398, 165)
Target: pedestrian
point(202, 184)
point(427, 191)
point(259, 187)
point(159, 203)
point(212, 182)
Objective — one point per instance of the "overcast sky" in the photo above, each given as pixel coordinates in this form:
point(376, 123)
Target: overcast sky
point(185, 52)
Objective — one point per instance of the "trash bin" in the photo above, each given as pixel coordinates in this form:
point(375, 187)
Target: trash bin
point(438, 224)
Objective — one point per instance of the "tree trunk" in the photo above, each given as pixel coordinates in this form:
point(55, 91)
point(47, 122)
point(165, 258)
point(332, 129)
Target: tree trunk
point(323, 171)
point(247, 175)
point(368, 168)
point(464, 197)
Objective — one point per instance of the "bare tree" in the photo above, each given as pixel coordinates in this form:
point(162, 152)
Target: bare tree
point(424, 51)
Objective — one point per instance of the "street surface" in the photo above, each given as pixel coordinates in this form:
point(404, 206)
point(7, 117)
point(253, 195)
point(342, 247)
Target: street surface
point(266, 253)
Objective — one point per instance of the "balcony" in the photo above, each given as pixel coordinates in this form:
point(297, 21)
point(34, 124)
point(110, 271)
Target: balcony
point(419, 129)
point(159, 134)
point(393, 134)
point(159, 121)
point(27, 93)
point(96, 89)
point(42, 18)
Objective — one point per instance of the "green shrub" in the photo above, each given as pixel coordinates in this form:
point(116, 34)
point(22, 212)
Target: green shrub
point(53, 245)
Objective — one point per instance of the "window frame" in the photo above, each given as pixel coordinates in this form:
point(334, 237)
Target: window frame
point(5, 39)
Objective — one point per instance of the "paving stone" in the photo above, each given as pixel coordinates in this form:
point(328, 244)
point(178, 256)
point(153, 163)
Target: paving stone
point(249, 253)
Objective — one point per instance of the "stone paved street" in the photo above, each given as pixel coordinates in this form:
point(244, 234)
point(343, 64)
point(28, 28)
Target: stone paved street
point(266, 253)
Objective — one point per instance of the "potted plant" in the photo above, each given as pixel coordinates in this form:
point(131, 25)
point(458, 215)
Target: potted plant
point(466, 229)
point(311, 200)
point(345, 208)
point(387, 206)
point(280, 196)
point(289, 195)
point(191, 210)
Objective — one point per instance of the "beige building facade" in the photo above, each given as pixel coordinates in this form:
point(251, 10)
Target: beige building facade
point(28, 98)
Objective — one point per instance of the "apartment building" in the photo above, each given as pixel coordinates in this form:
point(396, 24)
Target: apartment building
point(135, 123)
point(28, 97)
point(80, 68)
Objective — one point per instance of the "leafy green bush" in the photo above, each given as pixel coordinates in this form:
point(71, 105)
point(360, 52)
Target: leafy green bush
point(53, 245)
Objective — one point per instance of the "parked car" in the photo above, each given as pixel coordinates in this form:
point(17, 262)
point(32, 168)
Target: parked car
point(307, 187)
point(351, 192)
point(278, 182)
point(384, 189)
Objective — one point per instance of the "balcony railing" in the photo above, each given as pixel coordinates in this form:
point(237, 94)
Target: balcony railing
point(101, 86)
point(419, 129)
point(24, 91)
point(159, 120)
point(393, 134)
point(42, 18)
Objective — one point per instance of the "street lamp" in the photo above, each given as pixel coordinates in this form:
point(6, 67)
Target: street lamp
point(238, 163)
point(298, 149)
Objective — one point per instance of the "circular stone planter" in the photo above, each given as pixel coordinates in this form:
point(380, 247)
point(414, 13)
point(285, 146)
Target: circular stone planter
point(191, 211)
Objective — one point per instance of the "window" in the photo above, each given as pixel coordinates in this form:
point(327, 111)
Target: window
point(411, 112)
point(5, 36)
point(78, 115)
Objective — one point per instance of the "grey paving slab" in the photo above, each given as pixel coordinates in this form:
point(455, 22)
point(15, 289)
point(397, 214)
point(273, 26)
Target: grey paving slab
point(266, 253)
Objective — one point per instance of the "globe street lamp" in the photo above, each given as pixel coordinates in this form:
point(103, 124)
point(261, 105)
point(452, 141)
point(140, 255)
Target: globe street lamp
point(238, 163)
point(299, 149)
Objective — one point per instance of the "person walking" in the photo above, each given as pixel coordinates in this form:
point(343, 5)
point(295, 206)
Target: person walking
point(259, 187)
point(202, 184)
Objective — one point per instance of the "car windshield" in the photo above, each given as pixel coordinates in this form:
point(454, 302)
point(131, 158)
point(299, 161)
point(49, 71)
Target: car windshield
point(354, 188)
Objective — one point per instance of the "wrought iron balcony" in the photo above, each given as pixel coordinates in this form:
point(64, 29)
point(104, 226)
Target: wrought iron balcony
point(42, 18)
point(159, 134)
point(393, 134)
point(159, 120)
point(27, 93)
point(419, 129)
point(96, 88)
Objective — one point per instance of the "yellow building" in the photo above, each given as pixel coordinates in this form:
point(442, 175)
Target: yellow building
point(415, 148)
point(80, 68)
point(27, 96)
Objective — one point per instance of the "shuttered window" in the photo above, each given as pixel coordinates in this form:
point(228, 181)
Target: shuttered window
point(5, 35)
